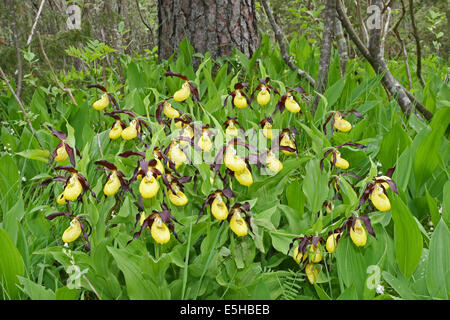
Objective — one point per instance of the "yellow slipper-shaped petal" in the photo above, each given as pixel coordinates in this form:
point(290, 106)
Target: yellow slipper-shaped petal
point(72, 232)
point(183, 93)
point(148, 187)
point(263, 97)
point(244, 177)
point(233, 161)
point(130, 132)
point(312, 272)
point(73, 188)
point(240, 101)
point(358, 234)
point(380, 199)
point(61, 154)
point(219, 209)
point(291, 105)
point(160, 232)
point(179, 199)
point(102, 103)
point(314, 254)
point(116, 131)
point(170, 111)
point(238, 225)
point(331, 243)
point(341, 163)
point(112, 185)
point(267, 130)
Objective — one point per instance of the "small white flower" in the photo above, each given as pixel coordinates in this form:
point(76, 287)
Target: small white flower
point(24, 179)
point(380, 289)
point(440, 209)
point(379, 164)
point(66, 245)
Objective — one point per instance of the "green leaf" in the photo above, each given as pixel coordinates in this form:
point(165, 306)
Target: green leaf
point(36, 291)
point(11, 266)
point(315, 185)
point(407, 237)
point(35, 154)
point(437, 271)
point(428, 155)
point(392, 146)
point(351, 265)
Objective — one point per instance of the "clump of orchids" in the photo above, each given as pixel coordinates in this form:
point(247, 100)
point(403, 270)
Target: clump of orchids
point(354, 225)
point(74, 185)
point(236, 165)
point(131, 131)
point(309, 248)
point(338, 122)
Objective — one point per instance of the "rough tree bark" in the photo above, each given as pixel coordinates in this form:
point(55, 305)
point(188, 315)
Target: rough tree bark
point(342, 46)
point(325, 51)
point(216, 26)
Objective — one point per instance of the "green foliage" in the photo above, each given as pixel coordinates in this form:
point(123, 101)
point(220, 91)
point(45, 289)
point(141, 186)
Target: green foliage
point(210, 261)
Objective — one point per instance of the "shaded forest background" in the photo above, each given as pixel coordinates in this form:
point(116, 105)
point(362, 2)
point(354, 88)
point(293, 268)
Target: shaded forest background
point(130, 27)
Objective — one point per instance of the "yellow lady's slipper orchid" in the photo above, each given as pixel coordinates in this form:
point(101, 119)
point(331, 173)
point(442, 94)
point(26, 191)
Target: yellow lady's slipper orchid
point(238, 224)
point(179, 198)
point(177, 155)
point(112, 185)
point(170, 111)
point(219, 209)
point(263, 97)
point(331, 243)
point(244, 177)
point(130, 132)
point(267, 130)
point(231, 131)
point(233, 161)
point(341, 124)
point(312, 272)
point(183, 93)
point(314, 253)
point(204, 142)
point(160, 232)
point(116, 131)
point(380, 199)
point(291, 105)
point(60, 199)
point(61, 153)
point(287, 142)
point(298, 256)
point(358, 234)
point(273, 163)
point(72, 232)
point(340, 162)
point(149, 186)
point(102, 103)
point(239, 100)
point(73, 188)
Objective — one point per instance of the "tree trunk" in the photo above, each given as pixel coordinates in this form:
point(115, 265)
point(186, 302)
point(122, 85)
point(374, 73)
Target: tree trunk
point(216, 26)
